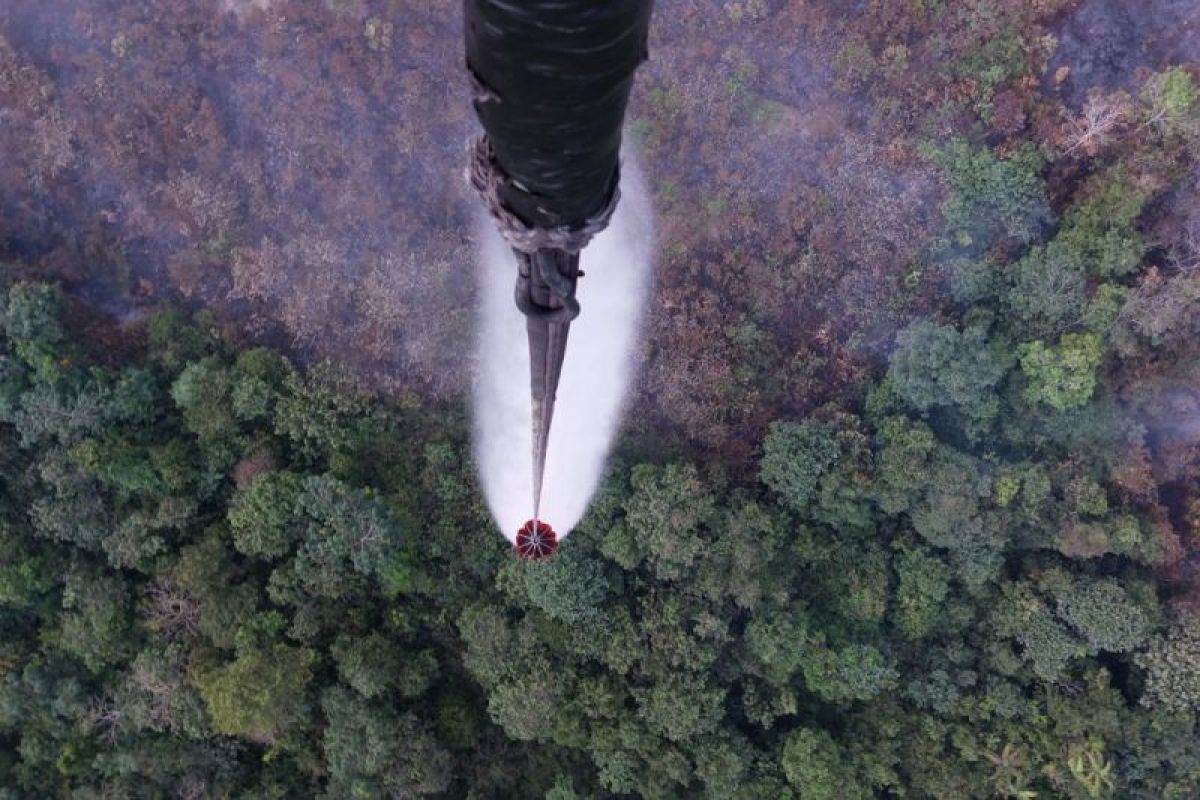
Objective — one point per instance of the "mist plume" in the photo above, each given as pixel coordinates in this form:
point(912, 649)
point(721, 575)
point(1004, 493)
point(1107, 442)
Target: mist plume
point(599, 366)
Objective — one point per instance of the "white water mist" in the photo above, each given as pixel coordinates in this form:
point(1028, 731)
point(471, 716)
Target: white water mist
point(599, 365)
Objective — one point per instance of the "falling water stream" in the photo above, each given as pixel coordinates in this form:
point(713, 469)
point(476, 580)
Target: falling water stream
point(600, 363)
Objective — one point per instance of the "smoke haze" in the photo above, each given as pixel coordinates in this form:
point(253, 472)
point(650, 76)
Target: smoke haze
point(599, 365)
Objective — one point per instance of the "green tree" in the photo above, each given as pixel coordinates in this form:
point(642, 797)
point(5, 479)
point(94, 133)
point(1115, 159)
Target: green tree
point(778, 638)
point(260, 378)
point(856, 582)
point(70, 507)
point(936, 365)
point(155, 695)
point(665, 514)
point(971, 280)
point(570, 587)
point(922, 587)
point(563, 789)
point(206, 572)
point(1100, 232)
point(456, 720)
point(120, 464)
point(1104, 614)
point(795, 456)
point(854, 672)
point(1049, 645)
point(818, 768)
point(26, 575)
point(822, 468)
point(14, 382)
point(373, 752)
point(681, 705)
point(722, 764)
point(947, 494)
point(990, 196)
point(30, 319)
point(263, 515)
point(349, 535)
point(261, 696)
point(367, 664)
point(745, 563)
point(322, 415)
point(96, 619)
point(89, 403)
point(175, 341)
point(203, 393)
point(530, 704)
point(1062, 376)
point(1046, 641)
point(41, 704)
point(1046, 291)
point(1172, 666)
point(1170, 97)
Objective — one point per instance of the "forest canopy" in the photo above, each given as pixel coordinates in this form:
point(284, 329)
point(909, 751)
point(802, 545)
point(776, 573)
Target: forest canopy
point(221, 575)
point(907, 506)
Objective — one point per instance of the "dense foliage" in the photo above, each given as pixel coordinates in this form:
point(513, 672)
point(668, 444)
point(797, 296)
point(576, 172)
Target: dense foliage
point(912, 510)
point(222, 577)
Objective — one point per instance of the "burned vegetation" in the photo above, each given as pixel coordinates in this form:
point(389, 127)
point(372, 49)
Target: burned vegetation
point(908, 500)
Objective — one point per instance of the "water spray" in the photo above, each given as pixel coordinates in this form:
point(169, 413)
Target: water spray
point(596, 373)
point(550, 82)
